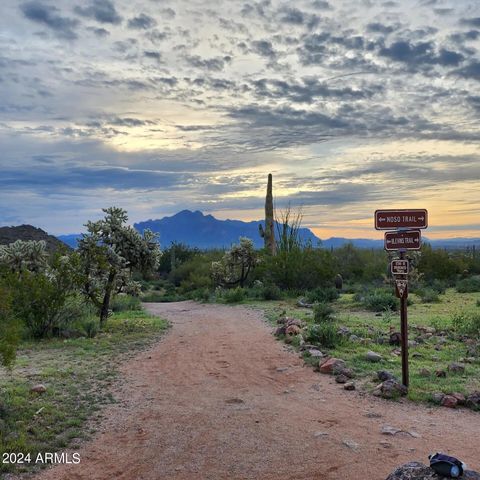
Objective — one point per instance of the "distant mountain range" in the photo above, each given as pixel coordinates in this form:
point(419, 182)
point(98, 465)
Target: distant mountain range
point(205, 231)
point(27, 232)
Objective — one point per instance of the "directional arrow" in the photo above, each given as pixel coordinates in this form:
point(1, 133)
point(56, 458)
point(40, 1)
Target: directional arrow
point(391, 219)
point(403, 240)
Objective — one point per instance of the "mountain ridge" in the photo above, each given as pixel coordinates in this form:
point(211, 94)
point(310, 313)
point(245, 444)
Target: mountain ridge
point(29, 232)
point(195, 223)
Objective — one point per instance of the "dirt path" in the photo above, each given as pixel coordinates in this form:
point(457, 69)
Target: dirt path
point(219, 398)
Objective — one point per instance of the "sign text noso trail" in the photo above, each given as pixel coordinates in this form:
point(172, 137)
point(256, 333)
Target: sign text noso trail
point(392, 219)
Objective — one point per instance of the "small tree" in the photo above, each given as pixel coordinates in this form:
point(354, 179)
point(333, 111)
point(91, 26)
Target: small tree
point(110, 252)
point(235, 266)
point(40, 286)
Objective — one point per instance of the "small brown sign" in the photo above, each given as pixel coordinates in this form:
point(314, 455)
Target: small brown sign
point(399, 267)
point(391, 219)
point(403, 240)
point(401, 288)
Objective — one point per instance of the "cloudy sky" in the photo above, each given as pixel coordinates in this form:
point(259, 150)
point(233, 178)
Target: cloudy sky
point(161, 105)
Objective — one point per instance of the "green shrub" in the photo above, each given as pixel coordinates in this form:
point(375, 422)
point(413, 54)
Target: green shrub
point(468, 285)
point(200, 294)
point(271, 292)
point(324, 334)
point(322, 312)
point(234, 295)
point(468, 324)
point(9, 329)
point(428, 295)
point(478, 303)
point(40, 303)
point(90, 327)
point(322, 295)
point(439, 286)
point(125, 303)
point(379, 301)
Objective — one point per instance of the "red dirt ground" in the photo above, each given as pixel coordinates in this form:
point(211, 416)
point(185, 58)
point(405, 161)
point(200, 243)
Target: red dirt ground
point(219, 398)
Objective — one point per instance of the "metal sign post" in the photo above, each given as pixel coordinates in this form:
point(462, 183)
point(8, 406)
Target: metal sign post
point(405, 236)
point(402, 288)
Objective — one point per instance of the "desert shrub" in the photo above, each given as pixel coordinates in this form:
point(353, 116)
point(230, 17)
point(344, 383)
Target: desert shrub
point(124, 303)
point(41, 303)
point(271, 292)
point(90, 327)
point(468, 285)
point(174, 256)
point(322, 312)
point(436, 264)
point(234, 295)
point(324, 334)
point(322, 295)
point(10, 328)
point(378, 300)
point(428, 295)
point(468, 324)
point(438, 286)
point(297, 269)
point(200, 294)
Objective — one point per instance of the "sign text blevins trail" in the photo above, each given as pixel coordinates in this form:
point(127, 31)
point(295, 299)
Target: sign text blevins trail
point(391, 219)
point(403, 240)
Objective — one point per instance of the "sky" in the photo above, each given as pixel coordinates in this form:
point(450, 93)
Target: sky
point(162, 105)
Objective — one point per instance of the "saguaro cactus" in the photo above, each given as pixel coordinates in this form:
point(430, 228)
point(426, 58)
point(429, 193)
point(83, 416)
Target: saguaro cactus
point(268, 233)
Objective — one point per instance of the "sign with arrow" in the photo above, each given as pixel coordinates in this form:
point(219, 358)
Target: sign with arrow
point(402, 288)
point(391, 219)
point(403, 240)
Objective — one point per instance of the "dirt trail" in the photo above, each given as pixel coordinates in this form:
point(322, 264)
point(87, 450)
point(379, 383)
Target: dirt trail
point(219, 398)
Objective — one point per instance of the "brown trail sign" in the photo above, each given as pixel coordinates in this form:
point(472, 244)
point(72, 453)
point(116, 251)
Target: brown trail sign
point(406, 236)
point(391, 219)
point(403, 240)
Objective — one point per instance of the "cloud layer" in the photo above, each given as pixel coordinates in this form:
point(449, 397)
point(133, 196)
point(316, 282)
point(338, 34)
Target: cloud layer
point(353, 105)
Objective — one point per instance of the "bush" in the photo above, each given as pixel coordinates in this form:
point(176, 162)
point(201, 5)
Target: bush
point(271, 292)
point(468, 324)
point(40, 303)
point(438, 286)
point(9, 329)
point(124, 303)
point(379, 301)
point(234, 295)
point(324, 334)
point(468, 285)
point(322, 295)
point(90, 327)
point(428, 295)
point(322, 312)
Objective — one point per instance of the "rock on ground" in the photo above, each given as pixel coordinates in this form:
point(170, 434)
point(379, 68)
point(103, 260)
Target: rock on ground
point(419, 471)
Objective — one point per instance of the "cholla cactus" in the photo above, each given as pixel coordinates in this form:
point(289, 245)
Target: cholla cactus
point(235, 266)
point(24, 255)
point(110, 251)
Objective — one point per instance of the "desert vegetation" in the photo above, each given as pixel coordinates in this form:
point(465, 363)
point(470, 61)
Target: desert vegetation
point(68, 318)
